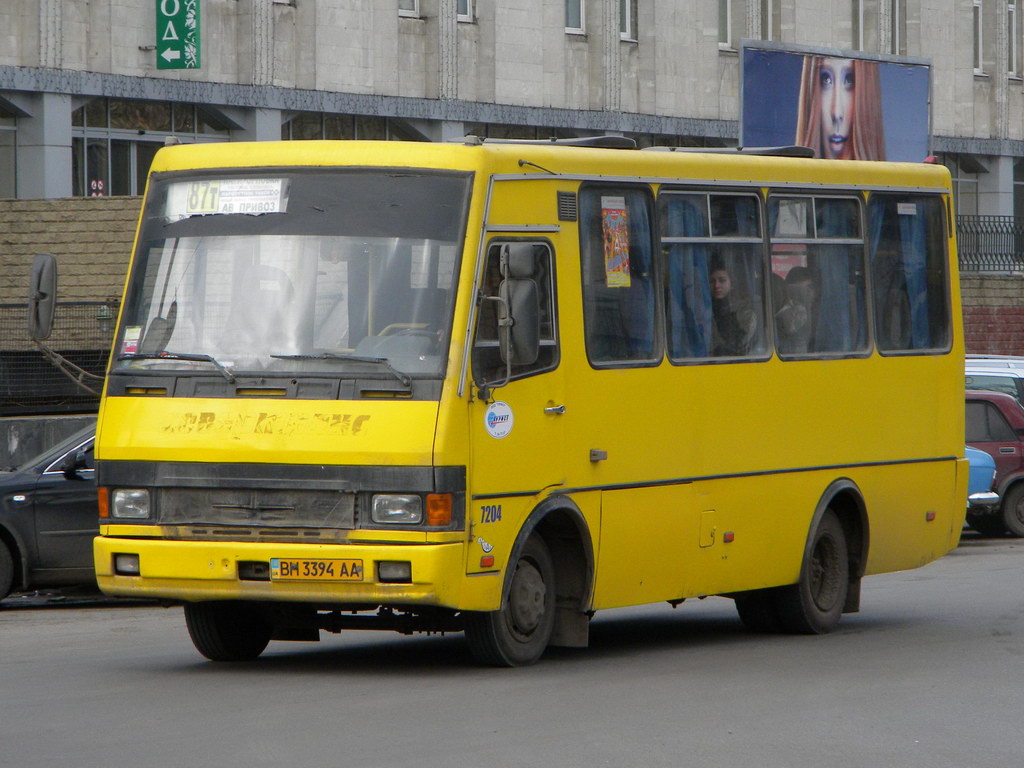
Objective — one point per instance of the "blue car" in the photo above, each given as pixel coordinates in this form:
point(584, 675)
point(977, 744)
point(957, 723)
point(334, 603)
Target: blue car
point(979, 482)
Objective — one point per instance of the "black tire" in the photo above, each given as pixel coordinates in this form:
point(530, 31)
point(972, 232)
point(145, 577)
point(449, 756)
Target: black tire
point(813, 605)
point(6, 571)
point(1013, 510)
point(227, 631)
point(518, 633)
point(987, 525)
point(757, 611)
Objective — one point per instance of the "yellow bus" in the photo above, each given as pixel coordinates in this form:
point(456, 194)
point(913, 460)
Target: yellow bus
point(496, 387)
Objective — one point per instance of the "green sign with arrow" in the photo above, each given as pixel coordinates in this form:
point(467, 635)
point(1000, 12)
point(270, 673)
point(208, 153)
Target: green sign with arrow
point(177, 34)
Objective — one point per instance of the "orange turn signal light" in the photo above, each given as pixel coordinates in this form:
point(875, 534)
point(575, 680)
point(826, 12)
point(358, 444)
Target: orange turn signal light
point(103, 501)
point(439, 509)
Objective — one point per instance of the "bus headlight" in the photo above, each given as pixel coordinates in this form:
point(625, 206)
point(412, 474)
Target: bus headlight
point(130, 503)
point(397, 509)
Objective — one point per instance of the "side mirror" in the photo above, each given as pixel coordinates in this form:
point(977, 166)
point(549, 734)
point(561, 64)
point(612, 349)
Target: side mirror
point(42, 296)
point(72, 463)
point(519, 310)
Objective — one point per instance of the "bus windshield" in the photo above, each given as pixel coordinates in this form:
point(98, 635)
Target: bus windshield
point(296, 272)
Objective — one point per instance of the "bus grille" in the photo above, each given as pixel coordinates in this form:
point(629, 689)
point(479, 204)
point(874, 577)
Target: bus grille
point(257, 508)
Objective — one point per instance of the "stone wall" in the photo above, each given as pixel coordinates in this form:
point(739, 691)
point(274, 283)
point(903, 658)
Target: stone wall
point(90, 236)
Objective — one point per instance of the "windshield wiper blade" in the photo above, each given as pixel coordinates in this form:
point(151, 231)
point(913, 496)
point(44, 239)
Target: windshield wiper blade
point(383, 361)
point(191, 356)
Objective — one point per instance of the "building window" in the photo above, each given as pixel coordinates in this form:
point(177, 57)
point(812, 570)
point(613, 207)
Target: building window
point(113, 141)
point(574, 20)
point(857, 22)
point(725, 24)
point(1014, 35)
point(898, 27)
point(964, 170)
point(464, 10)
point(410, 8)
point(771, 28)
point(1018, 190)
point(978, 38)
point(315, 126)
point(8, 144)
point(627, 19)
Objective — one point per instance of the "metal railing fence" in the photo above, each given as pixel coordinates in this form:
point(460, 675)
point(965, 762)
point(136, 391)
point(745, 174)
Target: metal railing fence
point(990, 243)
point(29, 383)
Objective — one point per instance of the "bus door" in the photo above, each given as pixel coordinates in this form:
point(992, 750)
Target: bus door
point(518, 405)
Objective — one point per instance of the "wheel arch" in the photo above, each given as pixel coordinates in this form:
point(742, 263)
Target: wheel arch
point(560, 523)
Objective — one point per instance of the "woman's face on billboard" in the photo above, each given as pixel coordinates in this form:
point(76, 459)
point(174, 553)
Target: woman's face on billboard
point(835, 91)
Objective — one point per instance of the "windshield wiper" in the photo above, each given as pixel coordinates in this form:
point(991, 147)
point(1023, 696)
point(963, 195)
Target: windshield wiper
point(382, 361)
point(195, 357)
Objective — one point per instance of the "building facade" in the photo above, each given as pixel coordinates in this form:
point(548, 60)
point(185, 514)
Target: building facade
point(84, 104)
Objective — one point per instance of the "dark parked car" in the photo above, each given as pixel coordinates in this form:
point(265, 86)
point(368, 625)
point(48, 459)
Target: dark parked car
point(49, 517)
point(995, 424)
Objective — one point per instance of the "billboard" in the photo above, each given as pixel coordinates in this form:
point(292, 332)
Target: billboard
point(843, 105)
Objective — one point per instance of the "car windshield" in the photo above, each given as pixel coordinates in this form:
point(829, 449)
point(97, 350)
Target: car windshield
point(295, 272)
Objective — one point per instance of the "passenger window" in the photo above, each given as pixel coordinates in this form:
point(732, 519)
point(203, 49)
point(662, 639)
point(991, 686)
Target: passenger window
point(910, 284)
point(985, 424)
point(619, 284)
point(714, 275)
point(488, 365)
point(818, 285)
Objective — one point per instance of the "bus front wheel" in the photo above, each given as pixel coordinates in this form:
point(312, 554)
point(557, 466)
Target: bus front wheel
point(227, 631)
point(518, 633)
point(814, 604)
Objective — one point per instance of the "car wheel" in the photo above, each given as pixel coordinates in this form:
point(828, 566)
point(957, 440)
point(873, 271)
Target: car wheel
point(227, 631)
point(1013, 510)
point(757, 611)
point(6, 571)
point(814, 604)
point(517, 633)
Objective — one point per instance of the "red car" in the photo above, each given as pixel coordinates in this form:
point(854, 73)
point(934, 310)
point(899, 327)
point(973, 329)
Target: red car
point(995, 424)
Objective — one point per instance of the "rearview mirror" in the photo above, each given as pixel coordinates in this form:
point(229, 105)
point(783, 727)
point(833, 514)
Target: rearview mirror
point(519, 310)
point(42, 296)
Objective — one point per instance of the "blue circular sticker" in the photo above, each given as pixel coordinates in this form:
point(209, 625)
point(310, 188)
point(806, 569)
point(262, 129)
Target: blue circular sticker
point(498, 419)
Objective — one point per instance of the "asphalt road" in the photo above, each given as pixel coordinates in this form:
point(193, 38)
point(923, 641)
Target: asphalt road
point(930, 673)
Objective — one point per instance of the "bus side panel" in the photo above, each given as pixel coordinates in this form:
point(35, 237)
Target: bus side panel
point(899, 501)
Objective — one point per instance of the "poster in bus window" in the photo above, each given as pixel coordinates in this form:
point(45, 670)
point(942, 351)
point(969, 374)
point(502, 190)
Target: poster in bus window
point(615, 228)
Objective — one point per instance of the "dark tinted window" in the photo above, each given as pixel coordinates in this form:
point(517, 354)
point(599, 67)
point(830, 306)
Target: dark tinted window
point(985, 424)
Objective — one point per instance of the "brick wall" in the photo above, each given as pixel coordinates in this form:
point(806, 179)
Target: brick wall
point(993, 313)
point(90, 236)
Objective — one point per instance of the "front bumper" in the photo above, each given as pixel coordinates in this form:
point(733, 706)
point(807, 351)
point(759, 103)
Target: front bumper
point(983, 499)
point(202, 570)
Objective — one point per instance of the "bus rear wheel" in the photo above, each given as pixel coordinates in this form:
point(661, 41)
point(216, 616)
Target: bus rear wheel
point(814, 604)
point(518, 633)
point(227, 631)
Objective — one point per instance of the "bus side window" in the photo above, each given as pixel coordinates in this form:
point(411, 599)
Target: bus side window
point(714, 275)
point(619, 281)
point(910, 284)
point(817, 257)
point(487, 363)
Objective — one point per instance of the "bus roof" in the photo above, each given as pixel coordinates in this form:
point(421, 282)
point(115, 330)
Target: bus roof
point(510, 159)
